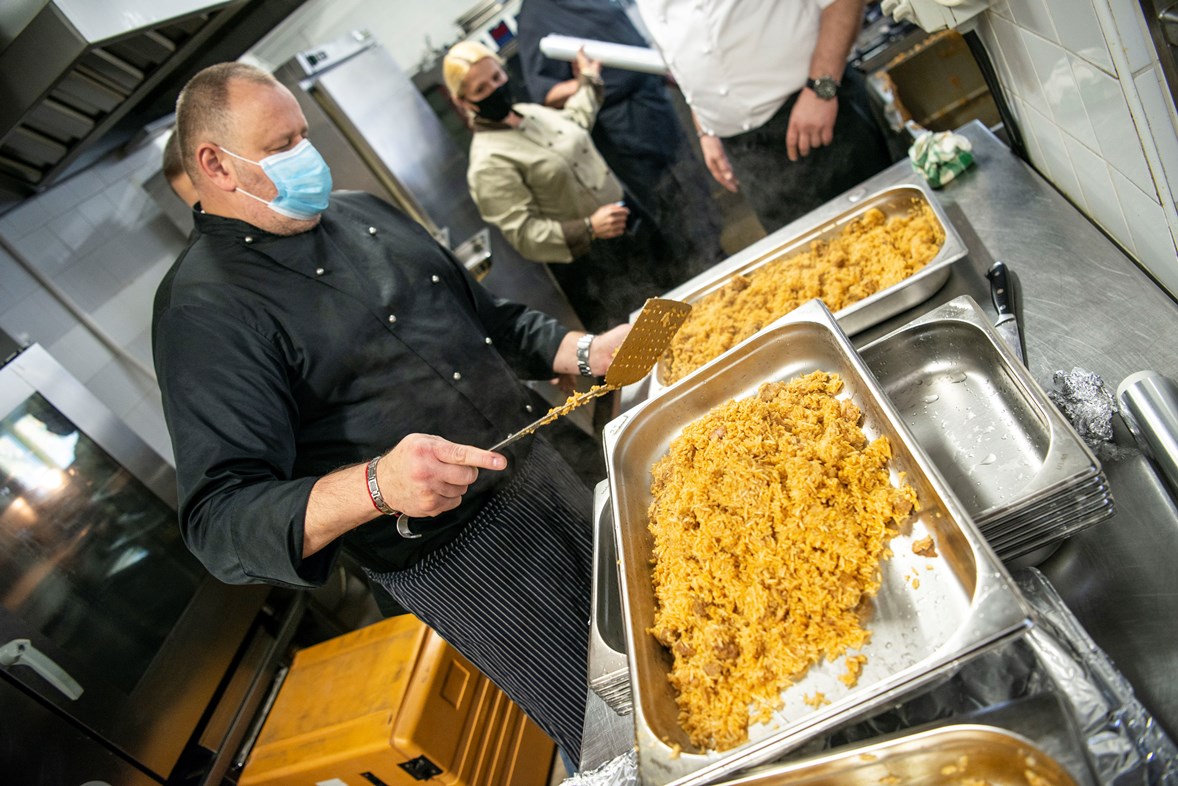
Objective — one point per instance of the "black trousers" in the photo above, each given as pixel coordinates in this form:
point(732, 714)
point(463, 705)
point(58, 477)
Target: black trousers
point(617, 275)
point(674, 189)
point(781, 190)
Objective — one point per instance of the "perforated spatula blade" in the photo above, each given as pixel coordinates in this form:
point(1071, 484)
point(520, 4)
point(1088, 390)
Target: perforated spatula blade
point(647, 340)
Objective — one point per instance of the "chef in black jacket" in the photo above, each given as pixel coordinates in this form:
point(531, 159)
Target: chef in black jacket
point(637, 131)
point(323, 362)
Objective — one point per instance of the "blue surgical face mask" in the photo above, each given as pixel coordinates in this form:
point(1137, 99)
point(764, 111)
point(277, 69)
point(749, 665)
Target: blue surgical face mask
point(302, 178)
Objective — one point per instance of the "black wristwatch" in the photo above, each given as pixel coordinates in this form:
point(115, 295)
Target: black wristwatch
point(826, 87)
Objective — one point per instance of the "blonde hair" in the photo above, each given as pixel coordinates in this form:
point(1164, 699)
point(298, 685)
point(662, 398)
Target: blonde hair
point(458, 61)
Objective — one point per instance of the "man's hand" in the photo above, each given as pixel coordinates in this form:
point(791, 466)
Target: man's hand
point(609, 220)
point(604, 347)
point(426, 475)
point(811, 124)
point(717, 162)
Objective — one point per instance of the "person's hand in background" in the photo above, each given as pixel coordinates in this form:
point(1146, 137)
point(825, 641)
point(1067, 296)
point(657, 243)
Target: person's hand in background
point(717, 162)
point(609, 220)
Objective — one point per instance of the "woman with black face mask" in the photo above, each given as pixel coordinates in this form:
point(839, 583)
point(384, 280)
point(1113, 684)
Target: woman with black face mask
point(536, 175)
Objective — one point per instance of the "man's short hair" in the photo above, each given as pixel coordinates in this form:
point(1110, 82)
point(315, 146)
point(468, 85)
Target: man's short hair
point(173, 159)
point(202, 109)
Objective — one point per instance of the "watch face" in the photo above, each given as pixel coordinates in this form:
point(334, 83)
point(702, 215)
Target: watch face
point(825, 88)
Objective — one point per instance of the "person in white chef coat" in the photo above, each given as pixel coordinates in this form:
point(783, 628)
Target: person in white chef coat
point(780, 115)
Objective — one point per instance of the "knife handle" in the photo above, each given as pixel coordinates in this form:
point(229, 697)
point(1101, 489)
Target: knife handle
point(1000, 291)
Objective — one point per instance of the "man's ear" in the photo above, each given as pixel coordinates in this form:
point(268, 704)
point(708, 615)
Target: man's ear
point(211, 163)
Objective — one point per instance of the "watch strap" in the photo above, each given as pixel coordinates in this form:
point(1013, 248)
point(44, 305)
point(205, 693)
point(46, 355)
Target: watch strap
point(825, 87)
point(583, 344)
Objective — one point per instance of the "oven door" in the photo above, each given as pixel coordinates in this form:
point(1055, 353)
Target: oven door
point(104, 614)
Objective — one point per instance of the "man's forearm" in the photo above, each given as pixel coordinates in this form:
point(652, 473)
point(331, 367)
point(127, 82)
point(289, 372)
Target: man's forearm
point(338, 503)
point(839, 27)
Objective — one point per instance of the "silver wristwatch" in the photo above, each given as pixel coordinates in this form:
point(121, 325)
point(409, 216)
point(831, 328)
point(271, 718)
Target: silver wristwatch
point(583, 344)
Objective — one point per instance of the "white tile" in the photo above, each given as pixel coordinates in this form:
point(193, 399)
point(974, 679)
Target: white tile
point(1152, 241)
point(1056, 164)
point(1079, 31)
point(80, 352)
point(1021, 71)
point(1117, 135)
point(15, 281)
point(1022, 114)
point(38, 316)
point(140, 348)
point(29, 216)
point(73, 229)
point(1095, 181)
point(45, 251)
point(120, 386)
point(146, 419)
point(1163, 128)
point(1002, 8)
point(985, 28)
point(88, 283)
point(1034, 16)
point(57, 201)
point(86, 183)
point(97, 208)
point(1054, 69)
point(1130, 34)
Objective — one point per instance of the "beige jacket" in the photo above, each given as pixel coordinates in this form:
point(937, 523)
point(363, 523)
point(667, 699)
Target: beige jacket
point(540, 182)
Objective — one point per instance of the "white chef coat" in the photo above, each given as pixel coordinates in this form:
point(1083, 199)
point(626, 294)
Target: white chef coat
point(736, 61)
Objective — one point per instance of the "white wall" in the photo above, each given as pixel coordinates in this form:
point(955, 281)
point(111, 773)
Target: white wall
point(400, 26)
point(1088, 94)
point(101, 239)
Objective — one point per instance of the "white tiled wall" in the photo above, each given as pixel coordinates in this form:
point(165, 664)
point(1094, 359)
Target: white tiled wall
point(102, 240)
point(1083, 82)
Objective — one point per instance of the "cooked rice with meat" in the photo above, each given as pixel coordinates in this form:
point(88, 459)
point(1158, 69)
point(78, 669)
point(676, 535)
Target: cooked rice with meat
point(770, 517)
point(872, 253)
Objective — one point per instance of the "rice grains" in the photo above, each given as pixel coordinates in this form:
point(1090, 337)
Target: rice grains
point(770, 517)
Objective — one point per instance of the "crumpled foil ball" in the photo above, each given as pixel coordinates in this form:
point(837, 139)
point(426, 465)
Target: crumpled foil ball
point(1086, 402)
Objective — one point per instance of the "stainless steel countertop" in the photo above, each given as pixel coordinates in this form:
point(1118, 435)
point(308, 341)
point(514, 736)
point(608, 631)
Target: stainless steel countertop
point(1083, 303)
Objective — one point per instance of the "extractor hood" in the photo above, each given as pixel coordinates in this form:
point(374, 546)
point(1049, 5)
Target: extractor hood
point(80, 76)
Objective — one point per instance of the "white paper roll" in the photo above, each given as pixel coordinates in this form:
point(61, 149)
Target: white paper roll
point(631, 58)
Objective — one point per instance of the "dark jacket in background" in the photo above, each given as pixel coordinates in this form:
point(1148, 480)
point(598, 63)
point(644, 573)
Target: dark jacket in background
point(638, 132)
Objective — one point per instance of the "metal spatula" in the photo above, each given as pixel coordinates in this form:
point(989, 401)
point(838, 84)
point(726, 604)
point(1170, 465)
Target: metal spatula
point(648, 339)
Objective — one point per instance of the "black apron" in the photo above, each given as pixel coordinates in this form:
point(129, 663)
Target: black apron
point(511, 593)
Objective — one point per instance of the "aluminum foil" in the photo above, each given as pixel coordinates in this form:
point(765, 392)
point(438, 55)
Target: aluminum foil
point(1114, 736)
point(1087, 403)
point(1122, 741)
point(619, 771)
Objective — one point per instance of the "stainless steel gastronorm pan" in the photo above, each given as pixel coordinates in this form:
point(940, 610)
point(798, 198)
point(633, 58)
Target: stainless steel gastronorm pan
point(957, 754)
point(824, 223)
point(963, 602)
point(977, 411)
point(608, 669)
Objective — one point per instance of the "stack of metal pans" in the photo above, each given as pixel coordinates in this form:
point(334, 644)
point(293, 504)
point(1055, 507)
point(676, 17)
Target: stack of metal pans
point(1021, 470)
point(921, 631)
point(609, 671)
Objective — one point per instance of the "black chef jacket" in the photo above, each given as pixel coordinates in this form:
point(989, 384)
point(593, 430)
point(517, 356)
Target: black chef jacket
point(281, 359)
point(636, 117)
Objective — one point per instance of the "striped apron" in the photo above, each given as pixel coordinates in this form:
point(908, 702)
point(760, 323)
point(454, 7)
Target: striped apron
point(511, 593)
